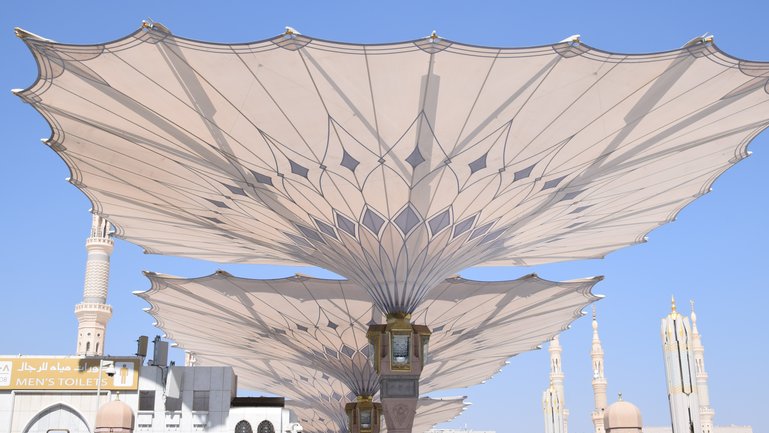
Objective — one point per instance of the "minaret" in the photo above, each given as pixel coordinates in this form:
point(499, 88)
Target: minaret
point(680, 373)
point(706, 412)
point(599, 379)
point(93, 313)
point(556, 415)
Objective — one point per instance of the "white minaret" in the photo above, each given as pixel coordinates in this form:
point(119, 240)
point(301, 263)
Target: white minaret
point(680, 372)
point(599, 379)
point(706, 412)
point(551, 402)
point(556, 415)
point(93, 313)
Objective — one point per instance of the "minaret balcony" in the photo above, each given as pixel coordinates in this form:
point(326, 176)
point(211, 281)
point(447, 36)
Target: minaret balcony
point(93, 312)
point(107, 242)
point(93, 306)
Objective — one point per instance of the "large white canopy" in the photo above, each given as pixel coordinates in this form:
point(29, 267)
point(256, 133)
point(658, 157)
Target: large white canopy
point(321, 324)
point(394, 165)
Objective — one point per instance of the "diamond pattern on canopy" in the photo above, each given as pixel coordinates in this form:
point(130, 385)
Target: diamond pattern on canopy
point(301, 324)
point(394, 165)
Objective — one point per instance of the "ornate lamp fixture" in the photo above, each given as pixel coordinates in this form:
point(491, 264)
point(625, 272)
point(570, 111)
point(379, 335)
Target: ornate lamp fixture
point(399, 349)
point(364, 415)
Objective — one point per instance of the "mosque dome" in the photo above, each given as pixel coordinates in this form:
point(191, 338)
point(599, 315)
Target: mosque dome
point(114, 417)
point(622, 415)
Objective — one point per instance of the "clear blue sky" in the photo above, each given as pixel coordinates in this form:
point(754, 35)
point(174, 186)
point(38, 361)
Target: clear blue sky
point(715, 253)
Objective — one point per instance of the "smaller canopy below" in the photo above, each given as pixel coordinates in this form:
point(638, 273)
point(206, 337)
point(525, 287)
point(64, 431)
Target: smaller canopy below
point(305, 338)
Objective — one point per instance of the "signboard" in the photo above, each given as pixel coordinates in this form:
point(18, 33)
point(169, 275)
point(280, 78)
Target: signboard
point(68, 373)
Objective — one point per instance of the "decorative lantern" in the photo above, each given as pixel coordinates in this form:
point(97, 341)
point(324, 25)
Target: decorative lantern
point(398, 347)
point(398, 351)
point(363, 415)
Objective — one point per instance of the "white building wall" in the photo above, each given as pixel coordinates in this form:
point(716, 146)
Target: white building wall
point(220, 384)
point(276, 415)
point(18, 408)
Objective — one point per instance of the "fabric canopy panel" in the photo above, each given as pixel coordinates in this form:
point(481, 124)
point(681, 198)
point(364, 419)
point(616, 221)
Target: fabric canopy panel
point(430, 411)
point(394, 165)
point(317, 400)
point(320, 325)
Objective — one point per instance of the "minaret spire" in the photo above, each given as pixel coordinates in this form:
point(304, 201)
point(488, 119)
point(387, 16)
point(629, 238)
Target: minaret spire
point(556, 415)
point(680, 371)
point(693, 316)
point(706, 412)
point(599, 379)
point(93, 313)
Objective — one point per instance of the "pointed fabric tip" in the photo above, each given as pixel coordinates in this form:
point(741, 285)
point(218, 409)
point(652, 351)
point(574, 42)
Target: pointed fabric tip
point(571, 39)
point(161, 27)
point(152, 25)
point(706, 38)
point(23, 34)
point(223, 273)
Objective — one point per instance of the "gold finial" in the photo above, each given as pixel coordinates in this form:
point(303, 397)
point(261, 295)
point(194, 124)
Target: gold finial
point(673, 303)
point(434, 35)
